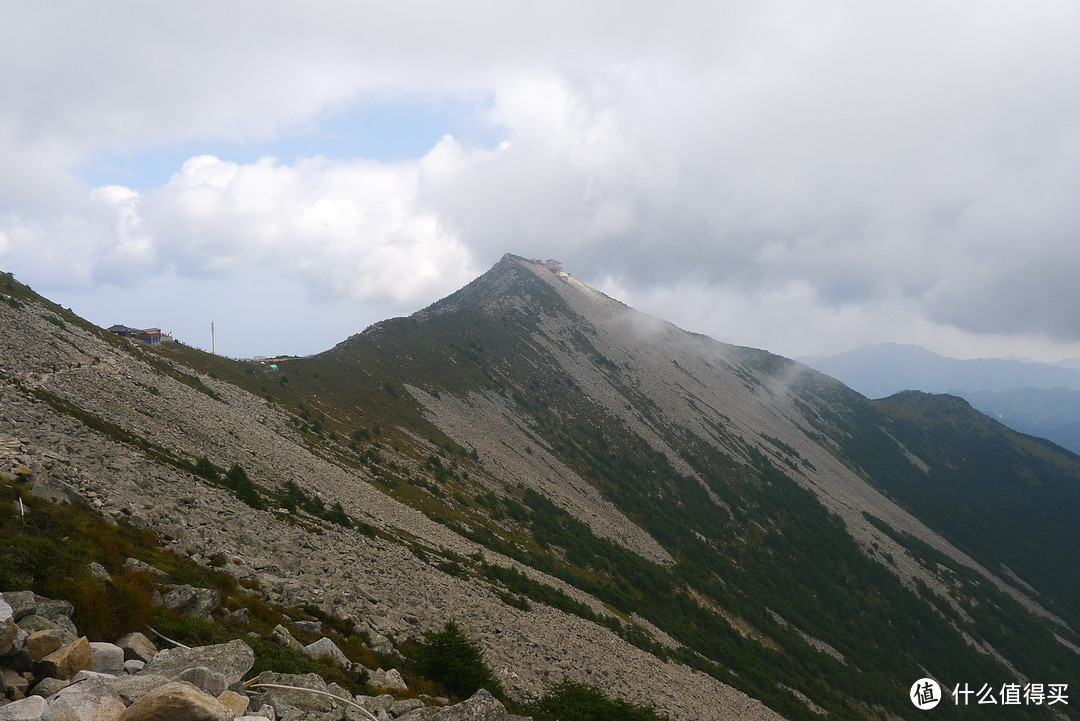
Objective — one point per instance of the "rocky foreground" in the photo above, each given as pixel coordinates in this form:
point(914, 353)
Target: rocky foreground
point(50, 673)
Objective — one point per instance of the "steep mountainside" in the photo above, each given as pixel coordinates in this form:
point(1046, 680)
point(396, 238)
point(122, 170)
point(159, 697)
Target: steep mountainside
point(592, 493)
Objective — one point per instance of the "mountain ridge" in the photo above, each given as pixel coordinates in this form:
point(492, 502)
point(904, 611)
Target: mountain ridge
point(715, 530)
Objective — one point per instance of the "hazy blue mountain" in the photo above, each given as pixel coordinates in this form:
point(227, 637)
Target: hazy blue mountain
point(1041, 399)
point(880, 370)
point(1053, 414)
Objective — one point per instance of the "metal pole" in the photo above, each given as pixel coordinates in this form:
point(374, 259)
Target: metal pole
point(212, 351)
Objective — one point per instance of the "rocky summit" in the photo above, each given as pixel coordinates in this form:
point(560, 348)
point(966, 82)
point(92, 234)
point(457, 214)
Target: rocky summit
point(602, 505)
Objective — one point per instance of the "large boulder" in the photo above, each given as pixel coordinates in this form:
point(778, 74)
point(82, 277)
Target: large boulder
point(327, 650)
point(89, 700)
point(481, 706)
point(27, 709)
point(232, 660)
point(177, 701)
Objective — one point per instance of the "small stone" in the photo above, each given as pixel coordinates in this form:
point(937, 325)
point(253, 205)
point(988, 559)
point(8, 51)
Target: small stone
point(404, 706)
point(388, 679)
point(240, 615)
point(281, 636)
point(137, 646)
point(206, 680)
point(133, 665)
point(237, 703)
point(98, 571)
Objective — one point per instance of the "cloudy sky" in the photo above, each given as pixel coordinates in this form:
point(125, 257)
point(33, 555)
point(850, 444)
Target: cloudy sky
point(802, 177)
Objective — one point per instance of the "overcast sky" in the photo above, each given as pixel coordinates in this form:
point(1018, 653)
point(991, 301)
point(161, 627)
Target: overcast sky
point(801, 177)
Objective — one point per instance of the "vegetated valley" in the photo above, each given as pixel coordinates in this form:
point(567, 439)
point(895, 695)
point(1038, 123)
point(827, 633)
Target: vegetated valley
point(588, 493)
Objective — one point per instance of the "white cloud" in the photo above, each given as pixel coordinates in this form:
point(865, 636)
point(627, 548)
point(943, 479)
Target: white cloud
point(852, 167)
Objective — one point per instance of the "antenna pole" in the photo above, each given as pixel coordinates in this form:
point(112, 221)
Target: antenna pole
point(212, 338)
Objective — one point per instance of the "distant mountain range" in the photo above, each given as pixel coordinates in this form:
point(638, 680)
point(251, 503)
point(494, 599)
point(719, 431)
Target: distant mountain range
point(1040, 399)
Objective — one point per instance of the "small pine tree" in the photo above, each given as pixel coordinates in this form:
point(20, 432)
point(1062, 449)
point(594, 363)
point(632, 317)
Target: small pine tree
point(450, 658)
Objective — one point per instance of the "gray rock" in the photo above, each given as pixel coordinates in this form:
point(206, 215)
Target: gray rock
point(91, 699)
point(404, 706)
point(281, 636)
point(312, 627)
point(198, 602)
point(387, 679)
point(206, 680)
point(137, 646)
point(108, 658)
point(34, 622)
point(240, 615)
point(28, 709)
point(381, 644)
point(8, 627)
point(481, 706)
point(420, 714)
point(286, 701)
point(48, 686)
point(132, 688)
point(98, 571)
point(327, 650)
point(53, 609)
point(140, 566)
point(20, 661)
point(133, 666)
point(232, 660)
point(22, 603)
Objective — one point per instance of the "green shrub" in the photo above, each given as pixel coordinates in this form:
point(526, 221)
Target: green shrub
point(237, 479)
point(451, 659)
point(573, 701)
